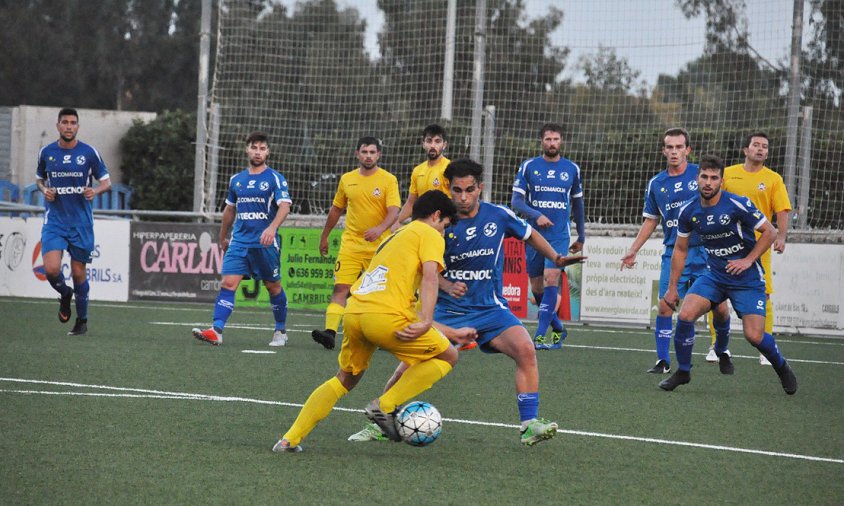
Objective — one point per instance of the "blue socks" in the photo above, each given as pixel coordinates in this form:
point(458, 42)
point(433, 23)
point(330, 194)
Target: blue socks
point(546, 309)
point(528, 406)
point(278, 303)
point(556, 324)
point(722, 335)
point(223, 309)
point(684, 341)
point(663, 338)
point(768, 347)
point(81, 294)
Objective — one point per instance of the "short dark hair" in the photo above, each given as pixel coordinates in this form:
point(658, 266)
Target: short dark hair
point(67, 111)
point(463, 167)
point(750, 137)
point(368, 140)
point(550, 127)
point(433, 130)
point(710, 162)
point(430, 202)
point(677, 131)
point(257, 136)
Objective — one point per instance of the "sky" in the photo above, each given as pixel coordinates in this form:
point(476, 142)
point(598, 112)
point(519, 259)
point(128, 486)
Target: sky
point(653, 35)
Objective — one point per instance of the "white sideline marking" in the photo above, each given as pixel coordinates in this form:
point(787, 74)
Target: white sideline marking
point(159, 394)
point(259, 352)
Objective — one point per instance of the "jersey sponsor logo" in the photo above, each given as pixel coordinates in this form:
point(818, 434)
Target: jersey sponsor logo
point(471, 233)
point(678, 186)
point(373, 281)
point(551, 174)
point(471, 254)
point(723, 252)
point(80, 160)
point(252, 216)
point(553, 189)
point(710, 219)
point(722, 235)
point(264, 186)
point(70, 190)
point(66, 159)
point(251, 199)
point(673, 205)
point(250, 184)
point(68, 174)
point(724, 219)
point(482, 275)
point(548, 204)
point(490, 229)
point(670, 223)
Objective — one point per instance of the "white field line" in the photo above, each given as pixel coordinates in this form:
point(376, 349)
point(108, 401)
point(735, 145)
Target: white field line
point(158, 394)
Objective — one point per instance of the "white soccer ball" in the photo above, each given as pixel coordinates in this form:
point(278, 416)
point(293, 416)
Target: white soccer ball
point(419, 423)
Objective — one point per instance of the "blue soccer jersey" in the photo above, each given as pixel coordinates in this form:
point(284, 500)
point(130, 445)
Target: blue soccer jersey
point(70, 171)
point(548, 187)
point(256, 198)
point(727, 231)
point(474, 254)
point(664, 197)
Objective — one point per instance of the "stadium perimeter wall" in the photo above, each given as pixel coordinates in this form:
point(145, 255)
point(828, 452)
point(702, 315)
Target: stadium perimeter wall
point(181, 262)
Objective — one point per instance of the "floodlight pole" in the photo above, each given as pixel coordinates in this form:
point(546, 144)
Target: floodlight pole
point(793, 100)
point(202, 107)
point(448, 69)
point(478, 80)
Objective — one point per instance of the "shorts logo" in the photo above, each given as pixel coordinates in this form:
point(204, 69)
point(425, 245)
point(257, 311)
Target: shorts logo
point(724, 219)
point(80, 160)
point(471, 233)
point(490, 229)
point(264, 186)
point(376, 192)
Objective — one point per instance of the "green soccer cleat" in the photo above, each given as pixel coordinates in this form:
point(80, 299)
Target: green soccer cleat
point(538, 430)
point(369, 433)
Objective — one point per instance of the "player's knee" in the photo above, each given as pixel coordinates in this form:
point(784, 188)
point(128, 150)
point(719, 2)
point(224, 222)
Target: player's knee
point(450, 355)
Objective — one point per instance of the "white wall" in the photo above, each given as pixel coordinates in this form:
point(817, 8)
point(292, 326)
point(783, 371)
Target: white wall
point(34, 127)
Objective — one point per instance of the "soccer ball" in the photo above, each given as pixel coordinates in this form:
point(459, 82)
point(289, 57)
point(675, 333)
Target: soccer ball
point(419, 423)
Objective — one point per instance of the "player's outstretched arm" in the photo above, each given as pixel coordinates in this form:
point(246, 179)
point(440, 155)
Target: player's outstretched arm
point(541, 245)
point(461, 336)
point(645, 231)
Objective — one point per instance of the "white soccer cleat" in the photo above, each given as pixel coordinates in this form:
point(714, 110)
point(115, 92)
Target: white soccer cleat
point(279, 338)
point(763, 360)
point(711, 357)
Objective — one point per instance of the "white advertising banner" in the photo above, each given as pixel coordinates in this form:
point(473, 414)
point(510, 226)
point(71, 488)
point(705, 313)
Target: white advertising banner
point(22, 268)
point(609, 294)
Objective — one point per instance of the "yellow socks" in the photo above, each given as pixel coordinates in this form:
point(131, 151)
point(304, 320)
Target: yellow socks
point(317, 407)
point(333, 316)
point(414, 381)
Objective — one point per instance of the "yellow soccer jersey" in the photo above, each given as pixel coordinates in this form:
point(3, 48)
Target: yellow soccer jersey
point(390, 283)
point(424, 177)
point(765, 188)
point(366, 199)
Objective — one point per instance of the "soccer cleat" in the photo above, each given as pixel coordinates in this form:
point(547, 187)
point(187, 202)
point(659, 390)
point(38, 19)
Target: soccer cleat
point(283, 446)
point(208, 335)
point(369, 433)
point(725, 364)
point(80, 328)
point(385, 421)
point(468, 346)
point(661, 367)
point(540, 343)
point(712, 357)
point(538, 430)
point(279, 338)
point(64, 307)
point(787, 377)
point(557, 338)
point(675, 380)
point(763, 360)
point(325, 338)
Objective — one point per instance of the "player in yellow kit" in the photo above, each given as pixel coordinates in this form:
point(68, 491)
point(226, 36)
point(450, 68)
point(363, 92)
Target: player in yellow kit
point(382, 314)
point(428, 175)
point(766, 190)
point(370, 197)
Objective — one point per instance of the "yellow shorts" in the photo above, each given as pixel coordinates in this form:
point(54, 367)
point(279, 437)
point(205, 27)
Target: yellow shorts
point(364, 333)
point(351, 262)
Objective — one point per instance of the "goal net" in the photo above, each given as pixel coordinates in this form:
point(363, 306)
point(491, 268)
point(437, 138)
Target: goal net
point(318, 74)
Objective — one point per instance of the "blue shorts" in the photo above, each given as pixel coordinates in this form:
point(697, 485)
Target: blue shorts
point(695, 267)
point(536, 261)
point(489, 323)
point(745, 300)
point(256, 263)
point(78, 241)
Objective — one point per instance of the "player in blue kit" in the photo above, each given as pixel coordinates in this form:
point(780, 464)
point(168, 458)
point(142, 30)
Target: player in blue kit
point(549, 192)
point(470, 290)
point(725, 223)
point(257, 203)
point(66, 170)
point(665, 194)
